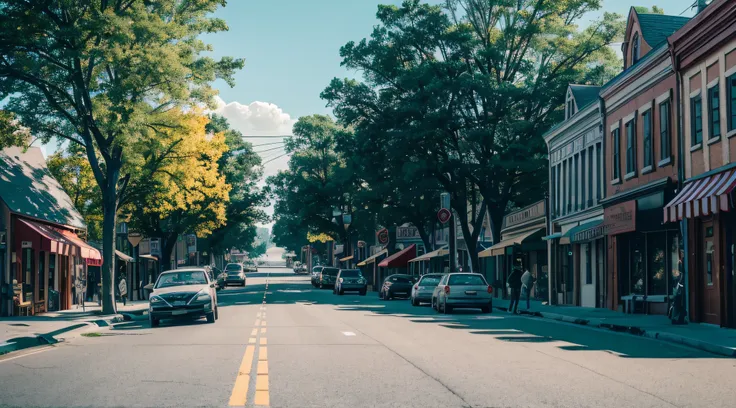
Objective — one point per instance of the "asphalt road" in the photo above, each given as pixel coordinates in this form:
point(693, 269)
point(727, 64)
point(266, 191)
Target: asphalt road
point(305, 347)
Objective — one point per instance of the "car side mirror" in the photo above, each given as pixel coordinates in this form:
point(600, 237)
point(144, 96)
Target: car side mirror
point(148, 287)
point(212, 285)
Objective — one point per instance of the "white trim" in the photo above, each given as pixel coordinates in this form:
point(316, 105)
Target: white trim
point(730, 72)
point(615, 126)
point(693, 94)
point(695, 70)
point(696, 147)
point(731, 134)
point(712, 61)
point(628, 118)
point(645, 108)
point(713, 83)
point(616, 181)
point(630, 175)
point(662, 98)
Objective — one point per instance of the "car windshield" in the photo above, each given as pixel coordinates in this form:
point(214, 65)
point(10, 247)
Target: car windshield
point(317, 269)
point(430, 281)
point(233, 267)
point(467, 280)
point(181, 278)
point(350, 274)
point(330, 271)
point(400, 279)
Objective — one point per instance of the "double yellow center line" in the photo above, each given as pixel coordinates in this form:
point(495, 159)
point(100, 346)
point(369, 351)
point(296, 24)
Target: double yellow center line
point(256, 343)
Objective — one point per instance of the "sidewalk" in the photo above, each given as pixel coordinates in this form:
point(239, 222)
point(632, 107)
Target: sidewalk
point(20, 332)
point(700, 336)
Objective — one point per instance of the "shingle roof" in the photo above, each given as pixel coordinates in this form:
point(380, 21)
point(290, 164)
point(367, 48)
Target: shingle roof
point(28, 188)
point(584, 94)
point(657, 27)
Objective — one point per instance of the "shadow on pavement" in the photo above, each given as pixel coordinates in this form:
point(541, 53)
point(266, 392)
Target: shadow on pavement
point(499, 325)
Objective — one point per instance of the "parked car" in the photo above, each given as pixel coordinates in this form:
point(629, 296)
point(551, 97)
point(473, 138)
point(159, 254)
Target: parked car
point(396, 286)
point(216, 276)
point(463, 290)
point(424, 288)
point(328, 277)
point(301, 269)
point(315, 275)
point(183, 293)
point(235, 274)
point(297, 266)
point(350, 280)
point(250, 266)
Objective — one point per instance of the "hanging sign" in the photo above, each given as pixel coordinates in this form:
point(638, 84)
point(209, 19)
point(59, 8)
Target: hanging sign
point(443, 215)
point(382, 236)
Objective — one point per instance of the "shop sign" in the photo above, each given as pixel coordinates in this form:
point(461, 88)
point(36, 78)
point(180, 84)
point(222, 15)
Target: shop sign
point(443, 215)
point(525, 215)
point(382, 236)
point(407, 233)
point(589, 234)
point(156, 247)
point(26, 244)
point(620, 218)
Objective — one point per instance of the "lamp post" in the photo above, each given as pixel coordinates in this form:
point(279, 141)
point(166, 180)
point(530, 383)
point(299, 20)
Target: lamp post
point(340, 218)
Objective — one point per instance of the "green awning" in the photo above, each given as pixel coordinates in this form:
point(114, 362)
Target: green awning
point(583, 233)
point(553, 236)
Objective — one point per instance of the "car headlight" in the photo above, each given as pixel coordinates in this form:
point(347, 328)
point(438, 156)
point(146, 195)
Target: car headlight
point(340, 280)
point(361, 281)
point(202, 296)
point(155, 299)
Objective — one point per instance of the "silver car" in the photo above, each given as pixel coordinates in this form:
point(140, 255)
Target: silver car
point(422, 291)
point(462, 290)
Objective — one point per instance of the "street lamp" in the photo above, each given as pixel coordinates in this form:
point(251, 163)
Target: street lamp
point(338, 217)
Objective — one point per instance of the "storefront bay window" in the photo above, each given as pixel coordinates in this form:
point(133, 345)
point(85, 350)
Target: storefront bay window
point(650, 263)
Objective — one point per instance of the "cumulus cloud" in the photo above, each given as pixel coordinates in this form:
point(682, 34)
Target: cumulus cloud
point(257, 118)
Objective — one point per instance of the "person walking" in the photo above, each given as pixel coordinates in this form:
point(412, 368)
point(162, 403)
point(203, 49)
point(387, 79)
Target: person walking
point(527, 281)
point(123, 289)
point(514, 283)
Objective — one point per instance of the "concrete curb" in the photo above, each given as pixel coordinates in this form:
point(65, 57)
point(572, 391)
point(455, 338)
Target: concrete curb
point(637, 331)
point(22, 343)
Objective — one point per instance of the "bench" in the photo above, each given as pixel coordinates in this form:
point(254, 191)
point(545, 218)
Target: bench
point(630, 301)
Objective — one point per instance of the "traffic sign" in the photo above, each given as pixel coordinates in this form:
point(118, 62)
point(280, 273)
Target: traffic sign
point(135, 238)
point(382, 236)
point(444, 215)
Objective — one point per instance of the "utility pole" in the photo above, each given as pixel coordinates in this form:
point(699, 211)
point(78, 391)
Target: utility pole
point(445, 203)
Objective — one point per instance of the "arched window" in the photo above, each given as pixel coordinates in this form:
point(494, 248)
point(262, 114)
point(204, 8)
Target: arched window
point(635, 49)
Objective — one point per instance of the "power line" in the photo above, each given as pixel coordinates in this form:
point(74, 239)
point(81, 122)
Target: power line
point(268, 150)
point(265, 137)
point(267, 144)
point(271, 154)
point(275, 158)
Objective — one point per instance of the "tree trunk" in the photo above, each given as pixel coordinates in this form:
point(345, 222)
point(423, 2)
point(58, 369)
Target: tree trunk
point(109, 208)
point(166, 251)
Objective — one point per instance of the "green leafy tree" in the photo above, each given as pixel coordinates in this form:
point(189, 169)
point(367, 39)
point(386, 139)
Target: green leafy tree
point(257, 250)
point(95, 73)
point(472, 85)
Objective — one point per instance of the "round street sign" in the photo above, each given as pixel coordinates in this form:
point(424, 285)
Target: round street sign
point(383, 236)
point(444, 215)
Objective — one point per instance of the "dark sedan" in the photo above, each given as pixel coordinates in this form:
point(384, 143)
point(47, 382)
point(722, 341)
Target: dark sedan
point(396, 286)
point(183, 293)
point(327, 278)
point(350, 280)
point(316, 271)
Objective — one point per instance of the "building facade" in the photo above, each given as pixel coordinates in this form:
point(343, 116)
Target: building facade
point(576, 244)
point(704, 54)
point(639, 110)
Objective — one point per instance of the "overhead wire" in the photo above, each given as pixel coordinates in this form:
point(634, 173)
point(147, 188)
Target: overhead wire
point(275, 158)
point(271, 149)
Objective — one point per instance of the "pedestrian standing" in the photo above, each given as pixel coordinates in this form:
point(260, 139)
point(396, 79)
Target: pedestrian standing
point(527, 280)
point(514, 283)
point(123, 288)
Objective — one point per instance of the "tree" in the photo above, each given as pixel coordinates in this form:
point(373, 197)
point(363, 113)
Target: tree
point(71, 168)
point(95, 73)
point(179, 187)
point(241, 166)
point(472, 86)
point(257, 250)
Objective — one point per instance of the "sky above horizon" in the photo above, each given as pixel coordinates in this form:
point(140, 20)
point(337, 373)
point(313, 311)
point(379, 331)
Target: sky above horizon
point(291, 49)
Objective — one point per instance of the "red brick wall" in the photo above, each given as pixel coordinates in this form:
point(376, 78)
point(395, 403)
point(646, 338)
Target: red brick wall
point(713, 72)
point(644, 99)
point(716, 155)
point(730, 60)
point(695, 83)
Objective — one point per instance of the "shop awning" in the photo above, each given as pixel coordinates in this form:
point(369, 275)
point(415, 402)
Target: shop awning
point(552, 236)
point(123, 257)
point(704, 196)
point(86, 251)
point(401, 258)
point(148, 256)
point(429, 255)
point(347, 258)
point(500, 248)
point(371, 259)
point(585, 232)
point(47, 238)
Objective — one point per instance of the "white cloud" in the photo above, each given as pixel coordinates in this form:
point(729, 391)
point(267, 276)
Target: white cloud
point(260, 119)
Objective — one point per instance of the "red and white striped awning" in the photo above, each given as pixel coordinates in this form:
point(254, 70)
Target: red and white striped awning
point(706, 196)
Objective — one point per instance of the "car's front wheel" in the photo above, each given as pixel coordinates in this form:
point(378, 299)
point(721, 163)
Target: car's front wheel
point(363, 292)
point(414, 302)
point(210, 317)
point(154, 322)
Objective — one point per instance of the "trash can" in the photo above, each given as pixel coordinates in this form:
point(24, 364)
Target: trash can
point(53, 300)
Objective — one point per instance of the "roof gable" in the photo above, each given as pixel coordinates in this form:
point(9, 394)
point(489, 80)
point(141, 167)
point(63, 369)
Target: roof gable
point(584, 94)
point(28, 188)
point(655, 28)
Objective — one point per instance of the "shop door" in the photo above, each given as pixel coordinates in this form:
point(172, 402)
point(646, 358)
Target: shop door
point(64, 286)
point(710, 288)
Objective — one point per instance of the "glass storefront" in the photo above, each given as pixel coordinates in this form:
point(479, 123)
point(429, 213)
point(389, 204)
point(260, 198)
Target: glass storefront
point(648, 262)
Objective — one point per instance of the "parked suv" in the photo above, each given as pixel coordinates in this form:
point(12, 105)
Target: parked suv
point(396, 286)
point(463, 290)
point(350, 280)
point(328, 277)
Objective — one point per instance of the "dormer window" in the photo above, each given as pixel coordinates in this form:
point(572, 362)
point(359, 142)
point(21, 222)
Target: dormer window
point(569, 106)
point(635, 47)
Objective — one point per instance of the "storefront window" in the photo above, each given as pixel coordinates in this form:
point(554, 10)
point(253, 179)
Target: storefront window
point(28, 274)
point(656, 244)
point(52, 269)
point(638, 272)
point(41, 275)
point(677, 265)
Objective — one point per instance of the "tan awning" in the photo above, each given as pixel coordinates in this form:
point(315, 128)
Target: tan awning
point(148, 256)
point(500, 248)
point(371, 259)
point(347, 258)
point(123, 257)
point(429, 255)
